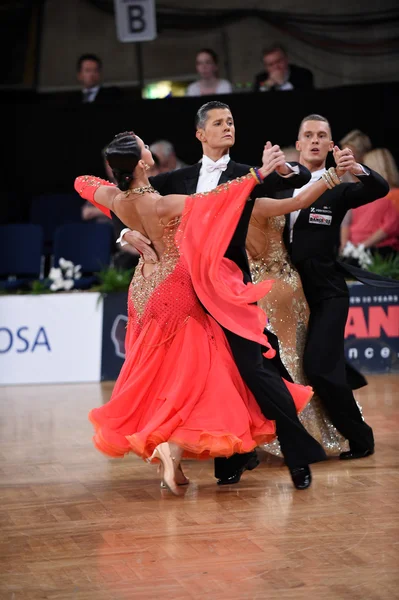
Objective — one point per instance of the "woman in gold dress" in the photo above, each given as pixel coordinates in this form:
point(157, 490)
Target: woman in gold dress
point(288, 314)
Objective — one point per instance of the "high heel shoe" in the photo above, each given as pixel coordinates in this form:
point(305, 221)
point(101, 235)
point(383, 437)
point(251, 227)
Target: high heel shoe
point(162, 453)
point(180, 477)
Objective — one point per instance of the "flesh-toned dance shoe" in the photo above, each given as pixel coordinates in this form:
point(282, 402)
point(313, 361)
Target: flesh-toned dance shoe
point(180, 477)
point(162, 453)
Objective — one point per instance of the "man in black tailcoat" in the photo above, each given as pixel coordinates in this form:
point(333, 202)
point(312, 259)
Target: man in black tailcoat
point(215, 131)
point(312, 238)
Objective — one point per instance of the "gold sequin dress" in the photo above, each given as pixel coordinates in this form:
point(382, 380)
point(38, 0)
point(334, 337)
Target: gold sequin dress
point(288, 313)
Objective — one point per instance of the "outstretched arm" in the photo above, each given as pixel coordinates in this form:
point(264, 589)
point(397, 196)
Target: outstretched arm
point(88, 186)
point(269, 207)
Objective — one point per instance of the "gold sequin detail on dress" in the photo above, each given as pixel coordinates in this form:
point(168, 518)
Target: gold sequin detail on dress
point(288, 313)
point(166, 295)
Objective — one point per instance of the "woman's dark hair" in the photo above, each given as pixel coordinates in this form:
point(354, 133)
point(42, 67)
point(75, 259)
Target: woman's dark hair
point(211, 53)
point(123, 154)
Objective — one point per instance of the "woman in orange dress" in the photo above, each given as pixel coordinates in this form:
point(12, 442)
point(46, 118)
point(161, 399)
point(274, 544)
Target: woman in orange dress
point(178, 376)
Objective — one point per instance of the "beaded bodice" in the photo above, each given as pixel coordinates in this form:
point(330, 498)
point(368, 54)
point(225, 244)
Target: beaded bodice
point(143, 286)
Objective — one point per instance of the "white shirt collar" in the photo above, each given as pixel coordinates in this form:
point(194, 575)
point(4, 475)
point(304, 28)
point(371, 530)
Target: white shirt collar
point(92, 89)
point(317, 174)
point(224, 160)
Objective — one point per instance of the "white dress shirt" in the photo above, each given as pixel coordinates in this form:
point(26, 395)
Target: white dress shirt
point(210, 172)
point(223, 87)
point(295, 214)
point(89, 94)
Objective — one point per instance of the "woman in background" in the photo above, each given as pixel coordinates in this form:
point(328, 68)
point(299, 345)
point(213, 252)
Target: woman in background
point(209, 82)
point(375, 226)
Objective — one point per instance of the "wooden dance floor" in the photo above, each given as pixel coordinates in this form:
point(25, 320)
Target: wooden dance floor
point(77, 525)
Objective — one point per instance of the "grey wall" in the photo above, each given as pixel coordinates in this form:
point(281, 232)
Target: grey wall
point(74, 27)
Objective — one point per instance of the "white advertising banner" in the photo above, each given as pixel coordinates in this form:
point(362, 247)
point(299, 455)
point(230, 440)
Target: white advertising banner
point(54, 338)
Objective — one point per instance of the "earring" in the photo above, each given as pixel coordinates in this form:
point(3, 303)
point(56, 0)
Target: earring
point(146, 167)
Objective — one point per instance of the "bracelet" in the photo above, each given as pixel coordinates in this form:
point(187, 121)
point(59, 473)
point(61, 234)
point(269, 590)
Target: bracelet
point(333, 174)
point(259, 174)
point(327, 181)
point(255, 174)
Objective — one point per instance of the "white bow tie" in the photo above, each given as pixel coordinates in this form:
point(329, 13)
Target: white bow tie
point(210, 167)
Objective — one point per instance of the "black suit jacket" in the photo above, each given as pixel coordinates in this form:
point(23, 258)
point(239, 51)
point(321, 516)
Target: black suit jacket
point(316, 235)
point(105, 95)
point(184, 181)
point(301, 79)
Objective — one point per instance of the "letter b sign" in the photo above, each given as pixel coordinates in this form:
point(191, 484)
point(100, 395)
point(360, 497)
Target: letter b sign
point(135, 20)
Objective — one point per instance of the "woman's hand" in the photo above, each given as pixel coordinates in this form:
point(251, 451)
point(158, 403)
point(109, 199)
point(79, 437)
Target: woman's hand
point(272, 158)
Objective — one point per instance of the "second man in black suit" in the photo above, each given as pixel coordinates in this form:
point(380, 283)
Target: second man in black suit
point(312, 238)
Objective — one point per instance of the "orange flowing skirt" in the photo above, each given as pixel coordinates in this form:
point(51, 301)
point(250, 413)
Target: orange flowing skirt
point(179, 382)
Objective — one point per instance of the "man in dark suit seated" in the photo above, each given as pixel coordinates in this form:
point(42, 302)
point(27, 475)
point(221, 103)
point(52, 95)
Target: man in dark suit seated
point(89, 75)
point(279, 75)
point(312, 238)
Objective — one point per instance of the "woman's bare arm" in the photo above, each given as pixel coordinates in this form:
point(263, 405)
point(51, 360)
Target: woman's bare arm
point(105, 195)
point(270, 207)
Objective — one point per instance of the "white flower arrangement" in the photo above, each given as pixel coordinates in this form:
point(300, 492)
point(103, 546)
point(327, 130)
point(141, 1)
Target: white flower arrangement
point(359, 252)
point(63, 277)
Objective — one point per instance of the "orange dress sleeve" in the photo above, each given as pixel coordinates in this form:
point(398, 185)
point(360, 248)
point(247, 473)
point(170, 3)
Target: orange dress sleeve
point(208, 224)
point(86, 186)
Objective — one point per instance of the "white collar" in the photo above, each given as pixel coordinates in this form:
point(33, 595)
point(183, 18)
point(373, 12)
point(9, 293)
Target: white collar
point(91, 90)
point(317, 174)
point(224, 160)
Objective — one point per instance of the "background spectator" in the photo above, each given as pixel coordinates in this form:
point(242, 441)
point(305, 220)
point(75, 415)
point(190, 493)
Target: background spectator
point(358, 142)
point(209, 83)
point(291, 154)
point(376, 225)
point(382, 161)
point(166, 154)
point(279, 75)
point(155, 169)
point(89, 75)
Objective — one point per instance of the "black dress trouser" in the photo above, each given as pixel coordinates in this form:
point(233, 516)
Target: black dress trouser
point(263, 378)
point(324, 366)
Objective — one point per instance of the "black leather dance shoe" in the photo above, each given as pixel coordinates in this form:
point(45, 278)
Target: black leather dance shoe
point(301, 477)
point(353, 454)
point(236, 476)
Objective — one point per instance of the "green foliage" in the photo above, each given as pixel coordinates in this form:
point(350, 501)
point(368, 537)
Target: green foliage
point(40, 286)
point(114, 280)
point(387, 267)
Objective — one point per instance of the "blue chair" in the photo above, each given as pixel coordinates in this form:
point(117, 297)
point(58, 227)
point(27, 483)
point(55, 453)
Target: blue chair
point(88, 245)
point(21, 250)
point(53, 210)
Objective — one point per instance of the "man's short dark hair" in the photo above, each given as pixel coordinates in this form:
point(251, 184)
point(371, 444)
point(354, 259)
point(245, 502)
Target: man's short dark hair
point(274, 48)
point(202, 114)
point(314, 118)
point(84, 57)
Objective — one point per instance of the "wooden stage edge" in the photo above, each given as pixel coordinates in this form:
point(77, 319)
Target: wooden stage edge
point(76, 525)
